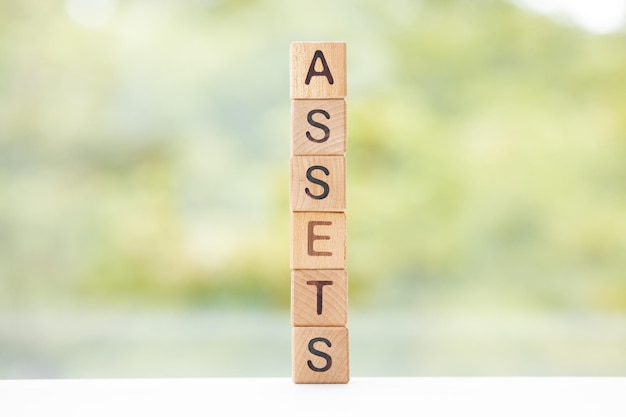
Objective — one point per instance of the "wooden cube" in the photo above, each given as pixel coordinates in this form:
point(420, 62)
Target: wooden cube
point(320, 355)
point(318, 127)
point(318, 70)
point(318, 240)
point(319, 297)
point(318, 183)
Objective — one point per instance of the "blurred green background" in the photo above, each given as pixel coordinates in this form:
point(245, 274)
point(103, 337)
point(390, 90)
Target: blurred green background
point(144, 219)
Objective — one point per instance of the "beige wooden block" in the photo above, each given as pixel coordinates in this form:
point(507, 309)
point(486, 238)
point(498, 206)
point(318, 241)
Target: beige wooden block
point(319, 297)
point(318, 127)
point(318, 240)
point(318, 183)
point(318, 70)
point(320, 355)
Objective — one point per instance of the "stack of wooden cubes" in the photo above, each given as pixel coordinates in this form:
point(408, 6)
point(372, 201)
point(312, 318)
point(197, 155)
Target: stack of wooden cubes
point(319, 279)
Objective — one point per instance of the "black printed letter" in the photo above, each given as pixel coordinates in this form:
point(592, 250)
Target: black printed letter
point(325, 70)
point(329, 360)
point(320, 288)
point(313, 123)
point(314, 180)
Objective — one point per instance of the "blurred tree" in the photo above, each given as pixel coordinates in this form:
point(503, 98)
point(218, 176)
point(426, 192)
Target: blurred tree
point(143, 153)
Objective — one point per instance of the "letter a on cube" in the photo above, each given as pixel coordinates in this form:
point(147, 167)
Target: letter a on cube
point(318, 70)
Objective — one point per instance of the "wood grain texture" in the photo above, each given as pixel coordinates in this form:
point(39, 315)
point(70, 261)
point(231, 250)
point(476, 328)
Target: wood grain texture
point(319, 297)
point(318, 127)
point(318, 183)
point(318, 70)
point(320, 355)
point(318, 240)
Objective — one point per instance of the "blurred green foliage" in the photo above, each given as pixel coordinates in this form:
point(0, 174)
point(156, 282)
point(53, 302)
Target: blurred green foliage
point(144, 154)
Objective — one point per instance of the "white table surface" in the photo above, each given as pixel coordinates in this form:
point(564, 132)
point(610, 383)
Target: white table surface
point(487, 396)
